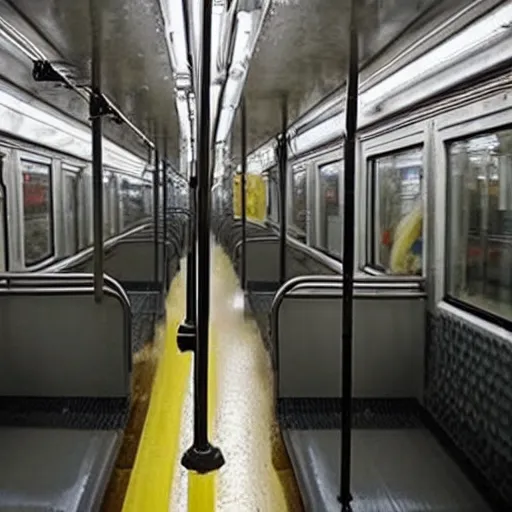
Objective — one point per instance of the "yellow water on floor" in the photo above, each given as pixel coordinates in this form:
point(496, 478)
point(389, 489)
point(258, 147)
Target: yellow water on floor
point(257, 475)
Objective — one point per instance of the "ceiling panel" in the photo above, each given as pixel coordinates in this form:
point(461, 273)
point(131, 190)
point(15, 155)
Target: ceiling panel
point(136, 70)
point(303, 50)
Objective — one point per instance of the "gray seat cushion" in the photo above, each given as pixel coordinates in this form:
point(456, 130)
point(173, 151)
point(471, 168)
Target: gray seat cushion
point(55, 470)
point(392, 470)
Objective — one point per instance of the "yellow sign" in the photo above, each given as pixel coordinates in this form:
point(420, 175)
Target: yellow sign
point(256, 197)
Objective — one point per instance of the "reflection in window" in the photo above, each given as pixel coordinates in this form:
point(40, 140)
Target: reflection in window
point(132, 198)
point(148, 200)
point(398, 222)
point(37, 211)
point(479, 239)
point(273, 195)
point(107, 205)
point(3, 244)
point(70, 211)
point(299, 209)
point(331, 228)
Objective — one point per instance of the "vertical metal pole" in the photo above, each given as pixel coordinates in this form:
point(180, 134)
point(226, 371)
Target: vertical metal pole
point(97, 164)
point(192, 256)
point(156, 208)
point(283, 162)
point(187, 331)
point(202, 456)
point(187, 335)
point(348, 259)
point(165, 198)
point(243, 156)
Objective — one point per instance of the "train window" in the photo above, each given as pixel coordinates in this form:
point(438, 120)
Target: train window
point(3, 223)
point(70, 211)
point(273, 195)
point(479, 234)
point(397, 230)
point(329, 210)
point(107, 208)
point(132, 199)
point(37, 214)
point(299, 205)
point(148, 200)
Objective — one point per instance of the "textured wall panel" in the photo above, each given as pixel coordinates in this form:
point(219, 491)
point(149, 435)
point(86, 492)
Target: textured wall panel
point(469, 392)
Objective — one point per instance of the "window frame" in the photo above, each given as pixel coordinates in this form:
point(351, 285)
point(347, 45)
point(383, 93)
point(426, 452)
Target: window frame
point(457, 302)
point(332, 159)
point(371, 242)
point(25, 156)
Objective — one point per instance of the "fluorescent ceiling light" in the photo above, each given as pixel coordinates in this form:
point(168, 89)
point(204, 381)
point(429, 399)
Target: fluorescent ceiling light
point(320, 134)
point(232, 92)
point(183, 114)
point(50, 128)
point(244, 31)
point(226, 119)
point(174, 21)
point(478, 35)
point(215, 91)
point(217, 16)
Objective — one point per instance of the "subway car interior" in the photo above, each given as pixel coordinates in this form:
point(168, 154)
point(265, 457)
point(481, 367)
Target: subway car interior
point(256, 255)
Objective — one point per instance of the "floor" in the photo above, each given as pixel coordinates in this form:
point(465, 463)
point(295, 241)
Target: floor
point(257, 475)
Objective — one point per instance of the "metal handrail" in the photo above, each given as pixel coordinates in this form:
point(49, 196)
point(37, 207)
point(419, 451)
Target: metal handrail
point(86, 253)
point(364, 283)
point(18, 279)
point(89, 290)
point(253, 239)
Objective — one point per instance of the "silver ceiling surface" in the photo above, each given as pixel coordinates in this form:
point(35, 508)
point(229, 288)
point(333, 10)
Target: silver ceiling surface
point(302, 54)
point(136, 70)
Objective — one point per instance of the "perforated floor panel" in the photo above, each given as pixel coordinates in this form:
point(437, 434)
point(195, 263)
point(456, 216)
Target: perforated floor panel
point(76, 413)
point(325, 413)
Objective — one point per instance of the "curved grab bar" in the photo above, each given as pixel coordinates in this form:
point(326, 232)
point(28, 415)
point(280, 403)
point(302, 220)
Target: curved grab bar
point(265, 238)
point(401, 289)
point(338, 280)
point(108, 291)
point(385, 293)
point(359, 286)
point(75, 278)
point(86, 253)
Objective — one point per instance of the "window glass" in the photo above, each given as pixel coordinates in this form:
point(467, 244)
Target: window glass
point(37, 211)
point(70, 211)
point(331, 227)
point(398, 212)
point(107, 199)
point(479, 238)
point(299, 207)
point(148, 200)
point(132, 198)
point(3, 245)
point(273, 195)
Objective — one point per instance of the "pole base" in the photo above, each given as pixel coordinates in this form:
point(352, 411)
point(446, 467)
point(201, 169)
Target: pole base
point(346, 507)
point(186, 337)
point(203, 461)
